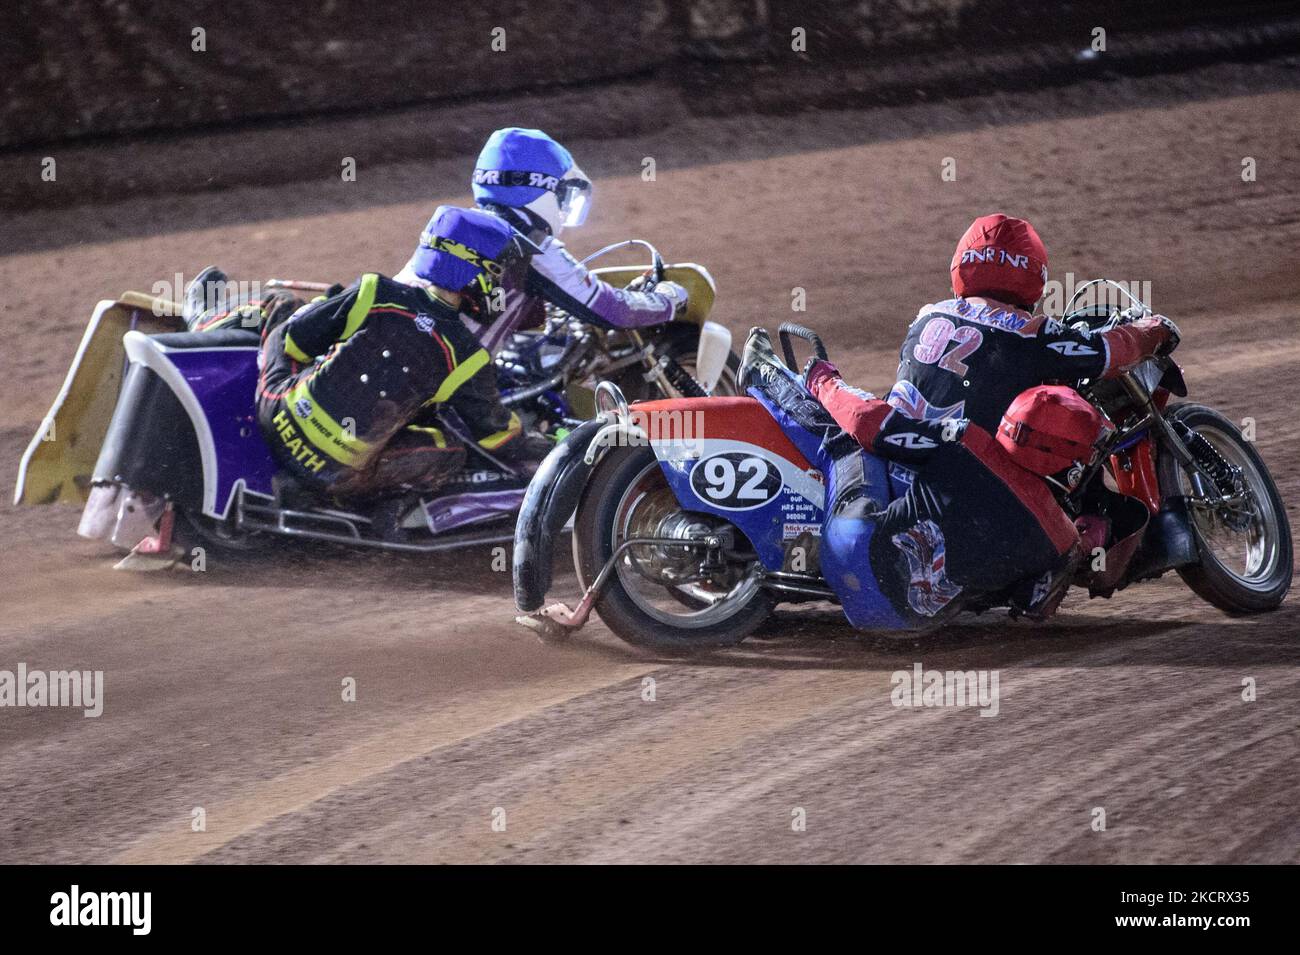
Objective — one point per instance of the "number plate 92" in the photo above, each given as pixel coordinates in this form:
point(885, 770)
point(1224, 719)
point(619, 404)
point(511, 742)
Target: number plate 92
point(735, 481)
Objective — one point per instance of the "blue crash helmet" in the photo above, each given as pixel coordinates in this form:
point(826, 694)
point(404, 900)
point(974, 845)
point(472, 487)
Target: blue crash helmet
point(460, 247)
point(527, 170)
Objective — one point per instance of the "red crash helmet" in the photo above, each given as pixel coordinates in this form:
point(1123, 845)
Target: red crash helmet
point(1000, 258)
point(1050, 428)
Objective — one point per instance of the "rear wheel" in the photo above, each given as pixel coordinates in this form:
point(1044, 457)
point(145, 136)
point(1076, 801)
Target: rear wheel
point(218, 534)
point(658, 596)
point(1244, 541)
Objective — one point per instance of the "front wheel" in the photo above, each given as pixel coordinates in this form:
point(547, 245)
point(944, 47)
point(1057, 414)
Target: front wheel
point(1245, 545)
point(658, 596)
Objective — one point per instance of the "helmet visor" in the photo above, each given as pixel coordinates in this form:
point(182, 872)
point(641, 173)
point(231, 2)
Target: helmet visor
point(574, 197)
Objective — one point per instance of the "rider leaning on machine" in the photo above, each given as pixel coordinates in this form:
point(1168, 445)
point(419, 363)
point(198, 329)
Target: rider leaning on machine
point(977, 519)
point(985, 438)
point(530, 181)
point(971, 355)
point(346, 381)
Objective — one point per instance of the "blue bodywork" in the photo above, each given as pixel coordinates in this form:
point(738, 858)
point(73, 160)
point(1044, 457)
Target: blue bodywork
point(796, 506)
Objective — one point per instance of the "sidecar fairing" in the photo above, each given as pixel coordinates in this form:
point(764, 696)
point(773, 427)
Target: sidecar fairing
point(186, 423)
point(697, 281)
point(60, 460)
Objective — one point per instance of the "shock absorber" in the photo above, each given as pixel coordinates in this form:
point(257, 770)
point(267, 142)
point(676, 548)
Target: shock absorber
point(681, 379)
point(1227, 477)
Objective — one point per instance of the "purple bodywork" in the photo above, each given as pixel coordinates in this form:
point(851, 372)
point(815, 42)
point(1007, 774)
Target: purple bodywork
point(224, 383)
point(459, 510)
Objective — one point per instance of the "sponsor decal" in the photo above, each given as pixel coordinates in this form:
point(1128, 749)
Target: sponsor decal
point(911, 440)
point(791, 486)
point(484, 476)
point(424, 323)
point(516, 177)
point(992, 254)
point(303, 407)
point(1072, 349)
point(792, 530)
point(450, 246)
point(903, 475)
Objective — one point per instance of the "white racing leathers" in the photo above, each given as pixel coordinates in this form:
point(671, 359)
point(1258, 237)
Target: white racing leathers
point(555, 276)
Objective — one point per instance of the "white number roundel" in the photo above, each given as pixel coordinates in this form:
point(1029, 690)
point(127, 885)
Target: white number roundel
point(735, 481)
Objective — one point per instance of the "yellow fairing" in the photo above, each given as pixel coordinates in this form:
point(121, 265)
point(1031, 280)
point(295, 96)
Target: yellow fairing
point(696, 279)
point(60, 460)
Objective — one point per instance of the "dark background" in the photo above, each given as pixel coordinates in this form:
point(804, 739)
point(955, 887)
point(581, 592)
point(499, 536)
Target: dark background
point(93, 68)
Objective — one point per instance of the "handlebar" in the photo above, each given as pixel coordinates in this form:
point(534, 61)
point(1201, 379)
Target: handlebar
point(1100, 317)
point(656, 267)
point(796, 330)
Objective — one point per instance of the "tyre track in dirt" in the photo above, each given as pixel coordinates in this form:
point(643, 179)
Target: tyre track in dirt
point(711, 769)
point(222, 688)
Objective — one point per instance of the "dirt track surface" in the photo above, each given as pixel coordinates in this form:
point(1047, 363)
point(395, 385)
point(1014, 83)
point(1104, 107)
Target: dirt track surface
point(223, 688)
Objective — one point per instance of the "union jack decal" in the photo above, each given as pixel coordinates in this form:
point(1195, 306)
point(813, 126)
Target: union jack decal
point(907, 398)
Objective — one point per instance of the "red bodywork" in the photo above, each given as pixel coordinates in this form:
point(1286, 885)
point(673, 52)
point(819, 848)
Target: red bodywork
point(1134, 468)
point(733, 419)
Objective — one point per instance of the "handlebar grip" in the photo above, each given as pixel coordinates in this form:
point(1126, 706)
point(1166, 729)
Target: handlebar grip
point(788, 329)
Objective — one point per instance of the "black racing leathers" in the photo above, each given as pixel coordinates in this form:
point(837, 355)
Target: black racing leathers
point(970, 357)
point(971, 524)
point(348, 382)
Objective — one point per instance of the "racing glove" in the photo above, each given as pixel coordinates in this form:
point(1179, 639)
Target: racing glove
point(1132, 344)
point(817, 372)
point(675, 294)
point(1172, 335)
